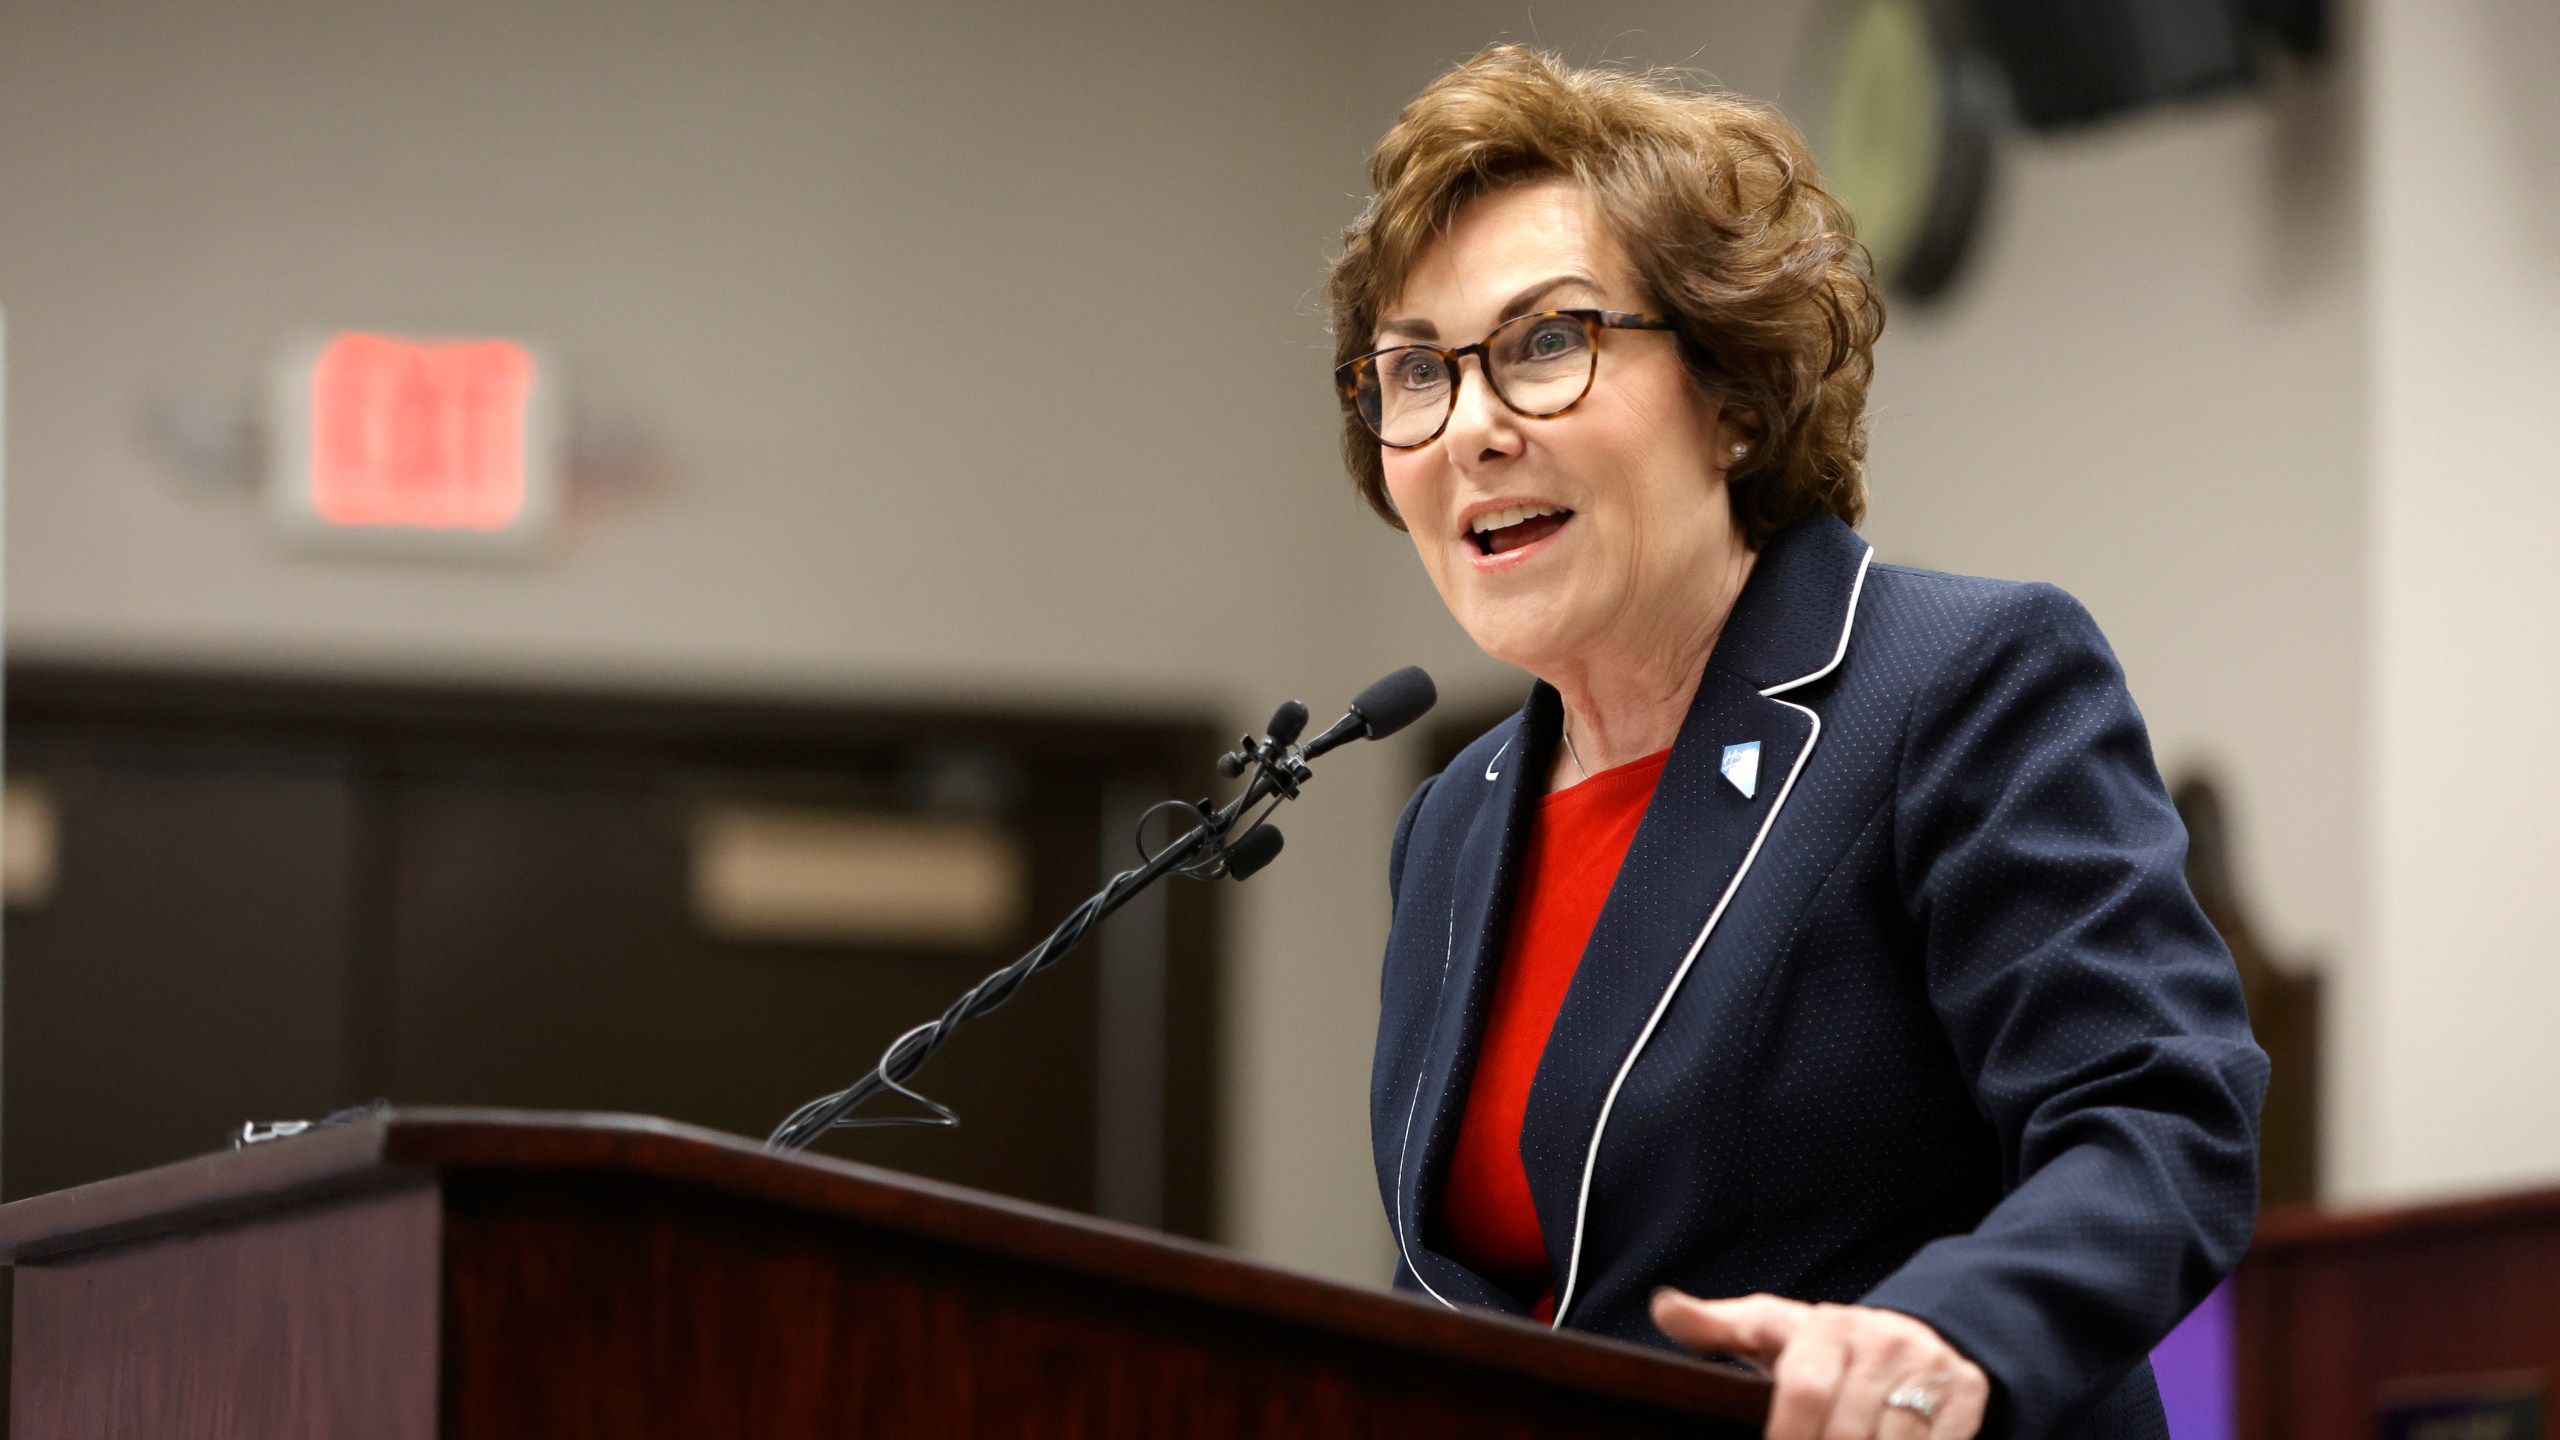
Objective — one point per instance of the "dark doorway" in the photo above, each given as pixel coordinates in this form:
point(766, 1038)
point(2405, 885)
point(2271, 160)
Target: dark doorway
point(272, 899)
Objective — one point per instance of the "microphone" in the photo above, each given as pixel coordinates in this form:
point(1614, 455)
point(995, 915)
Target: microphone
point(1394, 701)
point(1288, 722)
point(1252, 850)
point(1389, 704)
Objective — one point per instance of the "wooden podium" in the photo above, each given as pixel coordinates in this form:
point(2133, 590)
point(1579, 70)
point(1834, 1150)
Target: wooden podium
point(470, 1273)
point(2432, 1320)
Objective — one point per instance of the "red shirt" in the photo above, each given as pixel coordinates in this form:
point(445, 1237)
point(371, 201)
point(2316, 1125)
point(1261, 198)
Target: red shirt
point(1577, 840)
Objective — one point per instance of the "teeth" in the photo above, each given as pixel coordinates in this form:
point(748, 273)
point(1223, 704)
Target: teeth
point(1513, 515)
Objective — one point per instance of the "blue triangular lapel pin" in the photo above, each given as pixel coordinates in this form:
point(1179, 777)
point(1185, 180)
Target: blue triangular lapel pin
point(1741, 765)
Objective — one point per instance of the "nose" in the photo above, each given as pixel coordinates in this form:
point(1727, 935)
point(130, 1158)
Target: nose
point(1481, 430)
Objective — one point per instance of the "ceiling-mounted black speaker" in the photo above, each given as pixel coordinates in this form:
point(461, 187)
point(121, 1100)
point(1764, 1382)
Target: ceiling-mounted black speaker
point(2073, 62)
point(2301, 26)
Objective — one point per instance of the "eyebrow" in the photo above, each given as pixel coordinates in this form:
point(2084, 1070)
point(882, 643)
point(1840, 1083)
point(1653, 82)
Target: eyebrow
point(1521, 304)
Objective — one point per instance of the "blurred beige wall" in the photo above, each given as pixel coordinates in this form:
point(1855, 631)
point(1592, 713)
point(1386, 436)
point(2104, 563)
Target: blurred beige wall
point(968, 347)
point(2456, 1080)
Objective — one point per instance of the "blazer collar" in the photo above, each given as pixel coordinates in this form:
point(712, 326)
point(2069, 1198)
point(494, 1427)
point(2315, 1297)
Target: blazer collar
point(1790, 625)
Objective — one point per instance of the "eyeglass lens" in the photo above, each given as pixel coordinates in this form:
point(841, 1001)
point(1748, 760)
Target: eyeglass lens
point(1539, 365)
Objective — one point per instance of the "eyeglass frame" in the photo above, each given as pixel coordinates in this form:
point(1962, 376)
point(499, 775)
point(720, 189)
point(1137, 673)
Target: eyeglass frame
point(1347, 374)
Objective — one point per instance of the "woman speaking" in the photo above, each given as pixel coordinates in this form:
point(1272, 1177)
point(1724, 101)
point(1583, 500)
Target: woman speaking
point(1806, 972)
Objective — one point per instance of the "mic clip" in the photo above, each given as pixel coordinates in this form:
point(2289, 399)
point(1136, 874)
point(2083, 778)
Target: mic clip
point(1278, 764)
point(1278, 769)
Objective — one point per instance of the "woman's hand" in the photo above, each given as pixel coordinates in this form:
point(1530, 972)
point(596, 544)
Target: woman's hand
point(1835, 1365)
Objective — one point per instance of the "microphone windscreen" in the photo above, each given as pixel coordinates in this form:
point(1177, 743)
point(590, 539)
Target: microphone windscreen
point(1394, 701)
point(1254, 849)
point(1288, 722)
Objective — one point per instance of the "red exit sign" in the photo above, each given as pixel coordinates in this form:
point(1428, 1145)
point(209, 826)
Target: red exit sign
point(424, 444)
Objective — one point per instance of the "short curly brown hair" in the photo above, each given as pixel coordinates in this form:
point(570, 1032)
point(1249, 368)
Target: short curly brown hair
point(1716, 203)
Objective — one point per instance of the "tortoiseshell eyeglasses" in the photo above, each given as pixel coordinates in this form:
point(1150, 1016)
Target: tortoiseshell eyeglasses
point(1538, 365)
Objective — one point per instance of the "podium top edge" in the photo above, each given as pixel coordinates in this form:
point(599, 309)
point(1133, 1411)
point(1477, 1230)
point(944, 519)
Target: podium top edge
point(2311, 1227)
point(423, 1147)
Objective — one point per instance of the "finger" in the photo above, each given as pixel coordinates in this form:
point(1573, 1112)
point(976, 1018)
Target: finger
point(1876, 1365)
point(1808, 1376)
point(1756, 1327)
point(1961, 1407)
point(1897, 1423)
point(1960, 1395)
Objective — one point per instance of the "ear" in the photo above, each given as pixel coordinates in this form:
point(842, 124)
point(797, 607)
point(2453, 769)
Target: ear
point(1725, 418)
point(1739, 423)
point(1729, 426)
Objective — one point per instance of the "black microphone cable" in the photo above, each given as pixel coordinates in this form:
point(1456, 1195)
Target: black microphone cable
point(1278, 765)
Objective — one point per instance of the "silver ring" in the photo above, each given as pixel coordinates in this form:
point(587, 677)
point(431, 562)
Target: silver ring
point(1914, 1399)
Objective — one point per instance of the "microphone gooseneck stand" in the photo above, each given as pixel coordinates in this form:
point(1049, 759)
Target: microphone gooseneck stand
point(1278, 764)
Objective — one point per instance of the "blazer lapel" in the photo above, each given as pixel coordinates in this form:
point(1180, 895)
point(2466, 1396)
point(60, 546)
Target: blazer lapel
point(1711, 812)
point(1789, 628)
point(1685, 860)
point(1480, 904)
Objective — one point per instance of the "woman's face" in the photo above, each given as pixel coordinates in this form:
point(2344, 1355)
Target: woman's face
point(1617, 506)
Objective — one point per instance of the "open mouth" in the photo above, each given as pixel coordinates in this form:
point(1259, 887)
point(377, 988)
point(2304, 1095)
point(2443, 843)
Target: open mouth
point(1498, 532)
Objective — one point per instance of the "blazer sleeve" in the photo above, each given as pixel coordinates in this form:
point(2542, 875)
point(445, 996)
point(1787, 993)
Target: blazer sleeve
point(2095, 1012)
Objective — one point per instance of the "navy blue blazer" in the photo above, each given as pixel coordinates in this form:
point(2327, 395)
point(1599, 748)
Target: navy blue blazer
point(1912, 1009)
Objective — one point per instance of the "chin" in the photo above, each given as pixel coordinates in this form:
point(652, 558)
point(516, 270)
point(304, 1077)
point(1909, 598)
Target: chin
point(1519, 631)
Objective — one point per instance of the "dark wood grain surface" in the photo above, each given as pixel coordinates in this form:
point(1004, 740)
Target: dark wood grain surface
point(193, 1193)
point(612, 1307)
point(2293, 1227)
point(619, 1276)
point(309, 1324)
point(2338, 1311)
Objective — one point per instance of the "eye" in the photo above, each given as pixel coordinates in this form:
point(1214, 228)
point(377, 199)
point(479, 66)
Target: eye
point(1547, 344)
point(1414, 370)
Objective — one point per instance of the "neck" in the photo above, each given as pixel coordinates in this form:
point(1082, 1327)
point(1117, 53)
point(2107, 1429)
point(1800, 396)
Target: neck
point(1626, 698)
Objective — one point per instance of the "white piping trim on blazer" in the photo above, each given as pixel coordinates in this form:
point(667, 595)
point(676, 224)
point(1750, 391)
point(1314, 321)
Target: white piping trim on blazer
point(1591, 1158)
point(1447, 952)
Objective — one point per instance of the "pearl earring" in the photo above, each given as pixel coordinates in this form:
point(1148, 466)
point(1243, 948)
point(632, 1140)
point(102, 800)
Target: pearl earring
point(1740, 450)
